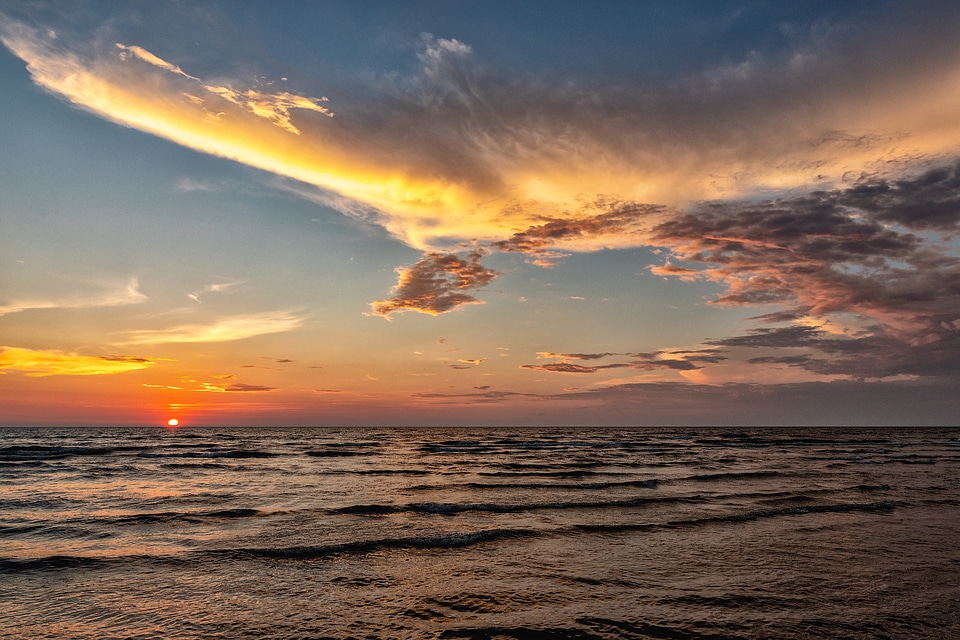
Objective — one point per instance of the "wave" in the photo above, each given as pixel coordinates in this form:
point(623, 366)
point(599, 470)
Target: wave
point(745, 516)
point(46, 452)
point(161, 517)
point(336, 453)
point(734, 475)
point(213, 453)
point(439, 541)
point(453, 508)
point(573, 473)
point(592, 486)
point(364, 547)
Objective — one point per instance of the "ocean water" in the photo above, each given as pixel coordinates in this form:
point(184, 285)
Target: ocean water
point(479, 533)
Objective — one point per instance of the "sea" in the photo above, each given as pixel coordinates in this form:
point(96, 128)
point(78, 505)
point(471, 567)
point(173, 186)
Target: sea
point(486, 533)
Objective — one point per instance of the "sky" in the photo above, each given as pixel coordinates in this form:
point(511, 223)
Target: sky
point(480, 213)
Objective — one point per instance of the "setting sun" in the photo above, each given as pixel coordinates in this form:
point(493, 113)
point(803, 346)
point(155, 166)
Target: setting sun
point(173, 422)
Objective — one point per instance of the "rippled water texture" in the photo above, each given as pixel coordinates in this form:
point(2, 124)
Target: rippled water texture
point(482, 533)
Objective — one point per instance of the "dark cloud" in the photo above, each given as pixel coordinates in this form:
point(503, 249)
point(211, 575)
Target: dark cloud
point(833, 255)
point(784, 337)
point(576, 356)
point(566, 367)
point(126, 359)
point(483, 398)
point(930, 201)
point(240, 386)
point(436, 284)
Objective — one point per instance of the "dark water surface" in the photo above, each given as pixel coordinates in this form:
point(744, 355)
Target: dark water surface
point(479, 533)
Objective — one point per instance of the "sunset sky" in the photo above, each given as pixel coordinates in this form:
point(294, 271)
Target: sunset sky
point(466, 212)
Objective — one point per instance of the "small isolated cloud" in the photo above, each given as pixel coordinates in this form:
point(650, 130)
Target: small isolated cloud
point(475, 361)
point(227, 329)
point(437, 284)
point(39, 363)
point(668, 269)
point(240, 386)
point(217, 287)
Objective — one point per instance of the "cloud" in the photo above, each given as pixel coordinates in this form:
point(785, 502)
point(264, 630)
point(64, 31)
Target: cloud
point(690, 360)
point(240, 386)
point(58, 363)
point(214, 288)
point(929, 201)
point(566, 367)
point(485, 397)
point(115, 296)
point(149, 58)
point(274, 107)
point(616, 225)
point(844, 258)
point(224, 330)
point(436, 284)
point(496, 156)
point(575, 356)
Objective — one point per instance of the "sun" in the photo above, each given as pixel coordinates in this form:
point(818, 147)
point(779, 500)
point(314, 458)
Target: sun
point(173, 422)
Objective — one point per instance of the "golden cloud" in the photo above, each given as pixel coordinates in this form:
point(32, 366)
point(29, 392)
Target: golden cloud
point(497, 156)
point(58, 363)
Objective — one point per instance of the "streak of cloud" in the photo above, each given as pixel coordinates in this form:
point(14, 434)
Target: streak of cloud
point(227, 329)
point(124, 294)
point(38, 363)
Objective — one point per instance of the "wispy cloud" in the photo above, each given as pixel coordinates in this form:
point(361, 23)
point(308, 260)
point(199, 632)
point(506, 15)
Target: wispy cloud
point(149, 58)
point(437, 284)
point(214, 288)
point(224, 330)
point(59, 363)
point(114, 296)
